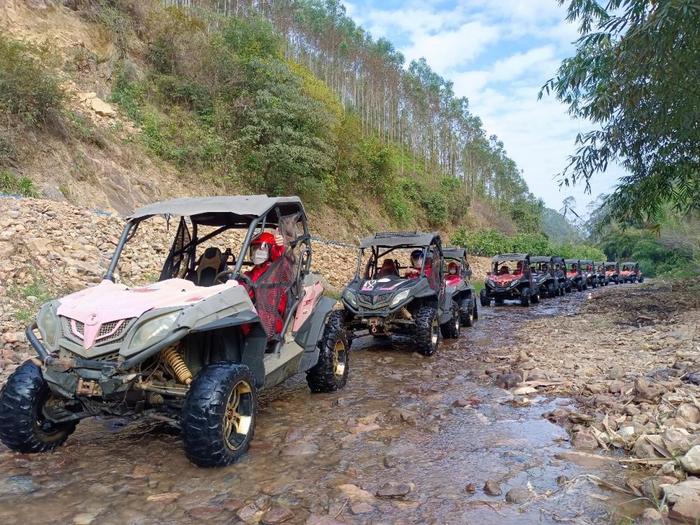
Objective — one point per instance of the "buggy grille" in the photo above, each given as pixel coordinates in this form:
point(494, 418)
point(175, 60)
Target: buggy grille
point(374, 302)
point(109, 332)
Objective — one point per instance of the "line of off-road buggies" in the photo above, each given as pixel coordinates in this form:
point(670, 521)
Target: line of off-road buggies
point(195, 347)
point(529, 278)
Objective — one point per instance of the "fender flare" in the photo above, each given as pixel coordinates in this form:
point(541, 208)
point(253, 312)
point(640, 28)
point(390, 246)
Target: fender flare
point(312, 330)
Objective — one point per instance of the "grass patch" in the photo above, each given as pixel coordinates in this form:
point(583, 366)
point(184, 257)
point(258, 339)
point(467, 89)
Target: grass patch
point(16, 185)
point(27, 90)
point(29, 298)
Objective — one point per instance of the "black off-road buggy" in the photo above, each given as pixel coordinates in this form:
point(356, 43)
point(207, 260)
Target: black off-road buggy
point(545, 276)
point(384, 301)
point(192, 348)
point(631, 273)
point(600, 273)
point(560, 273)
point(510, 278)
point(577, 280)
point(458, 285)
point(612, 272)
point(589, 273)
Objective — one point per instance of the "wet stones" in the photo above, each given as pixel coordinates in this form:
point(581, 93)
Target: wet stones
point(508, 380)
point(470, 488)
point(584, 439)
point(277, 514)
point(393, 489)
point(492, 488)
point(518, 495)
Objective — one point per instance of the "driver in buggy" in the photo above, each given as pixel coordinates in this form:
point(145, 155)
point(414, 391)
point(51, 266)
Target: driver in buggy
point(265, 249)
point(416, 263)
point(504, 270)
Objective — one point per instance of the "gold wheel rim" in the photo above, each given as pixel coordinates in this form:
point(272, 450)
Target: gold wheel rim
point(339, 359)
point(238, 418)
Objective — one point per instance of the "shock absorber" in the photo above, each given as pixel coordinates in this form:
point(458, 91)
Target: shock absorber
point(173, 358)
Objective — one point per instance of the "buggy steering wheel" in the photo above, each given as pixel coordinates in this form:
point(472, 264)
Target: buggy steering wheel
point(239, 277)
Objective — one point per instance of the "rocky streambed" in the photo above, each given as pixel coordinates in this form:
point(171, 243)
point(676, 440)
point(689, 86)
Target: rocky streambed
point(582, 409)
point(463, 437)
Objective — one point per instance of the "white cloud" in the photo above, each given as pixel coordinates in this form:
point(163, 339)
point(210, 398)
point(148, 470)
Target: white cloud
point(525, 41)
point(448, 50)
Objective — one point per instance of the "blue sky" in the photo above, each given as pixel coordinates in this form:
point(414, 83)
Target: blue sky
point(498, 53)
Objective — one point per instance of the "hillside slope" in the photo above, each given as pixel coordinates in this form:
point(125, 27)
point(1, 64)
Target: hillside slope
point(114, 142)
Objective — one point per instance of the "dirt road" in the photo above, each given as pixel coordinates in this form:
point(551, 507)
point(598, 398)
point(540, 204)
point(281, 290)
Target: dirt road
point(410, 440)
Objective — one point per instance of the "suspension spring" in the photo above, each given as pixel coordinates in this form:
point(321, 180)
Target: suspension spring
point(177, 363)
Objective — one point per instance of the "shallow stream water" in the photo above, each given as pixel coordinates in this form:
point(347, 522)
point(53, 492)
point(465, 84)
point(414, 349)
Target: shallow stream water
point(399, 419)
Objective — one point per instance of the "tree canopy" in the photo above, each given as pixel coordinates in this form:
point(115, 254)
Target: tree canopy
point(635, 76)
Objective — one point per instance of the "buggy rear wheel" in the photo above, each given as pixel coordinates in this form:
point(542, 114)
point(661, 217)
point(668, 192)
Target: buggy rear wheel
point(525, 297)
point(450, 330)
point(331, 371)
point(467, 311)
point(484, 298)
point(218, 416)
point(475, 311)
point(427, 330)
point(23, 426)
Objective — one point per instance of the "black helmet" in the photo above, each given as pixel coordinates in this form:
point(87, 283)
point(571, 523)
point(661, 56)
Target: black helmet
point(415, 256)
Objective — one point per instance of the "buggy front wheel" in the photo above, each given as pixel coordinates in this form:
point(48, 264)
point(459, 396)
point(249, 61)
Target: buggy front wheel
point(331, 371)
point(218, 416)
point(450, 330)
point(23, 427)
point(427, 330)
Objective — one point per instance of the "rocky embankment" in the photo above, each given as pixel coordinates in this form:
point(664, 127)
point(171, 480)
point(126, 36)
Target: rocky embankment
point(631, 359)
point(51, 248)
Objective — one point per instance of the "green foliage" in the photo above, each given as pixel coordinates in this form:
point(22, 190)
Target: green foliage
point(557, 228)
point(27, 90)
point(13, 184)
point(635, 74)
point(492, 242)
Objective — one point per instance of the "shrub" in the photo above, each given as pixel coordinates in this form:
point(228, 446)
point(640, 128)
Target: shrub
point(27, 90)
point(11, 183)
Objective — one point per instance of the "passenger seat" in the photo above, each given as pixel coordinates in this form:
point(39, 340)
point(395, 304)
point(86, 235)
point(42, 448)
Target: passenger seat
point(210, 264)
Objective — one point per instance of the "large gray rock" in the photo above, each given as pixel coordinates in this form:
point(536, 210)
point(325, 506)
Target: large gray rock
point(684, 500)
point(691, 461)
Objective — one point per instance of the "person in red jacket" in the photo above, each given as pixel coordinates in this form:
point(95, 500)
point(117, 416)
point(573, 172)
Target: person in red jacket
point(265, 249)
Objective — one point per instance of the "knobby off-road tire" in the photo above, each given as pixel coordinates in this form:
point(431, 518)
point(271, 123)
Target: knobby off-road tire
point(331, 371)
point(525, 297)
point(484, 299)
point(475, 311)
point(218, 416)
point(427, 330)
point(467, 311)
point(552, 290)
point(640, 280)
point(23, 427)
point(535, 298)
point(451, 329)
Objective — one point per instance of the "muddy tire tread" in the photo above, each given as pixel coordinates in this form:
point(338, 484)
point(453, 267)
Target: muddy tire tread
point(321, 377)
point(18, 400)
point(203, 413)
point(423, 336)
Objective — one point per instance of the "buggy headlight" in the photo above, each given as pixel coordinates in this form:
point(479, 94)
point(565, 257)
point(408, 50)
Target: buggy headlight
point(49, 325)
point(153, 330)
point(399, 297)
point(350, 298)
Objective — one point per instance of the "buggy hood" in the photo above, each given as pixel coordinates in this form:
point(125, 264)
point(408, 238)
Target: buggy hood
point(109, 302)
point(505, 279)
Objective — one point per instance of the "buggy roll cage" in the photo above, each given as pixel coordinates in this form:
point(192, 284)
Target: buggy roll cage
point(213, 212)
point(391, 241)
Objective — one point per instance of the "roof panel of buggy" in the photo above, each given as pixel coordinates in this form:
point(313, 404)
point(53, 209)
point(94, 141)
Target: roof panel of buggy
point(454, 253)
point(221, 210)
point(510, 257)
point(400, 239)
point(540, 259)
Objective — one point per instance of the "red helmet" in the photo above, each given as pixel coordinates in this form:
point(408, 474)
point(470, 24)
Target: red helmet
point(263, 238)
